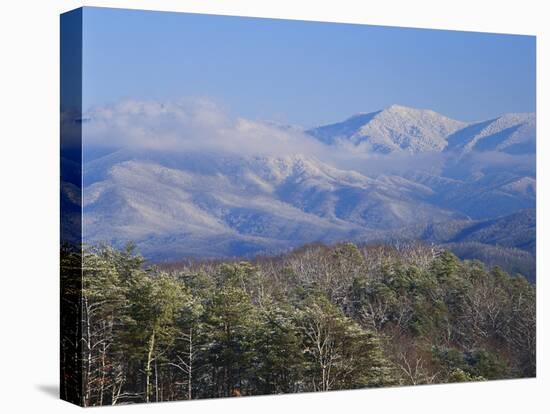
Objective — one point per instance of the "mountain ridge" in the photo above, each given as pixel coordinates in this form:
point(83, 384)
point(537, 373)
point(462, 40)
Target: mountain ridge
point(402, 128)
point(220, 203)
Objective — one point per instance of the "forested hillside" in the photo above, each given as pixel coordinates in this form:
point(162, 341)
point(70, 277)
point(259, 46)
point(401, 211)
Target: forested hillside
point(508, 242)
point(316, 319)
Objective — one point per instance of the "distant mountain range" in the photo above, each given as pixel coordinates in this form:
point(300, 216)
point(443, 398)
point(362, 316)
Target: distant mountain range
point(217, 204)
point(399, 128)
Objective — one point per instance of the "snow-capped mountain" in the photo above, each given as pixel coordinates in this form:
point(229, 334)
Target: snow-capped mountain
point(236, 205)
point(510, 133)
point(396, 128)
point(399, 128)
point(176, 204)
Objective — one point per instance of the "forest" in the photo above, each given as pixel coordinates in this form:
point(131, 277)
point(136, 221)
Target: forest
point(318, 318)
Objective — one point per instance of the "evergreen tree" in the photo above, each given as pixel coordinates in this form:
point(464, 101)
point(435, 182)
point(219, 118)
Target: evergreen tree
point(320, 318)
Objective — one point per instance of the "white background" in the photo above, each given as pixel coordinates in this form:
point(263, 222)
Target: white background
point(29, 145)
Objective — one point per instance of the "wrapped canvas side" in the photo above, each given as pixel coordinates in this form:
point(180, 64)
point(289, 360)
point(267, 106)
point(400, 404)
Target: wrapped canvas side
point(71, 339)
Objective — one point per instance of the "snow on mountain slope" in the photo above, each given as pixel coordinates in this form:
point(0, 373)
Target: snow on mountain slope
point(490, 196)
point(268, 203)
point(396, 128)
point(219, 202)
point(510, 133)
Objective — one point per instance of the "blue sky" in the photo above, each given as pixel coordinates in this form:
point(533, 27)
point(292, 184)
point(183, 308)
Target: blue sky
point(304, 73)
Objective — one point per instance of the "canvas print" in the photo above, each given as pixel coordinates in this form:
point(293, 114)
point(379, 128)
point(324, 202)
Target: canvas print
point(259, 206)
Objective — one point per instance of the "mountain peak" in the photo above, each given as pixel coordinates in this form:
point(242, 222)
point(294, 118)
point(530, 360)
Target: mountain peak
point(401, 108)
point(410, 111)
point(395, 128)
point(395, 109)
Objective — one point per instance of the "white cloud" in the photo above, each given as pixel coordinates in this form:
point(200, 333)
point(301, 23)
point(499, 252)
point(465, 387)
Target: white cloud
point(202, 125)
point(188, 125)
